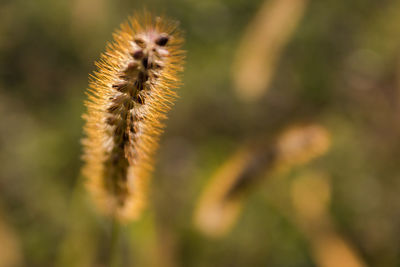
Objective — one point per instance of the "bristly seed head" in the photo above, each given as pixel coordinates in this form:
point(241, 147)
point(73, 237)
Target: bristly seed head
point(132, 89)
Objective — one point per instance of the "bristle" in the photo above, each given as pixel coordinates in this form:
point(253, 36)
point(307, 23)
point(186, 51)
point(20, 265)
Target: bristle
point(128, 97)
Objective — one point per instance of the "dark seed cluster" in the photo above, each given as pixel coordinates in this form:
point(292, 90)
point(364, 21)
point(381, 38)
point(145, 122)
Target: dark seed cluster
point(131, 91)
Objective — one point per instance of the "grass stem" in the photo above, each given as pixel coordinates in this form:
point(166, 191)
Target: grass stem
point(115, 229)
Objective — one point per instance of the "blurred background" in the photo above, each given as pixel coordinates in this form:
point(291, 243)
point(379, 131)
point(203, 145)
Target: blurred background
point(254, 69)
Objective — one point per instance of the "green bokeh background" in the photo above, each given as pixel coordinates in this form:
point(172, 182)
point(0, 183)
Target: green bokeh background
point(341, 69)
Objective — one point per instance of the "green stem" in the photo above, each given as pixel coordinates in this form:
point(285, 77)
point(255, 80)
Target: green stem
point(114, 243)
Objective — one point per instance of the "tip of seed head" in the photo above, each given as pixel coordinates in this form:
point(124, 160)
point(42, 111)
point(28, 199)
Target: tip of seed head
point(162, 40)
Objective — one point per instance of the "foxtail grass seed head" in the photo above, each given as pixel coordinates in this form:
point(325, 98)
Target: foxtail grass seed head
point(221, 202)
point(128, 96)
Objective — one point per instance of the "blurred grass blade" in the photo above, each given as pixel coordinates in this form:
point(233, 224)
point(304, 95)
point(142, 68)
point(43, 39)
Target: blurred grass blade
point(220, 203)
point(262, 45)
point(10, 253)
point(311, 195)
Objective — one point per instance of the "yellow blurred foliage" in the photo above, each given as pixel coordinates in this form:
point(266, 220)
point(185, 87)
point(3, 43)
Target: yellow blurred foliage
point(311, 194)
point(262, 44)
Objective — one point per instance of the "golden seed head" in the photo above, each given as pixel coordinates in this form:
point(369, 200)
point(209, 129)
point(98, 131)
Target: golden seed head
point(128, 94)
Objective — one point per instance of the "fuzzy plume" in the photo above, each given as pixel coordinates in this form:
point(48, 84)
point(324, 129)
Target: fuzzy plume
point(128, 96)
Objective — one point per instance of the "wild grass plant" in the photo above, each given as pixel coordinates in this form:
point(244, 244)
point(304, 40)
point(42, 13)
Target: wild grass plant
point(238, 177)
